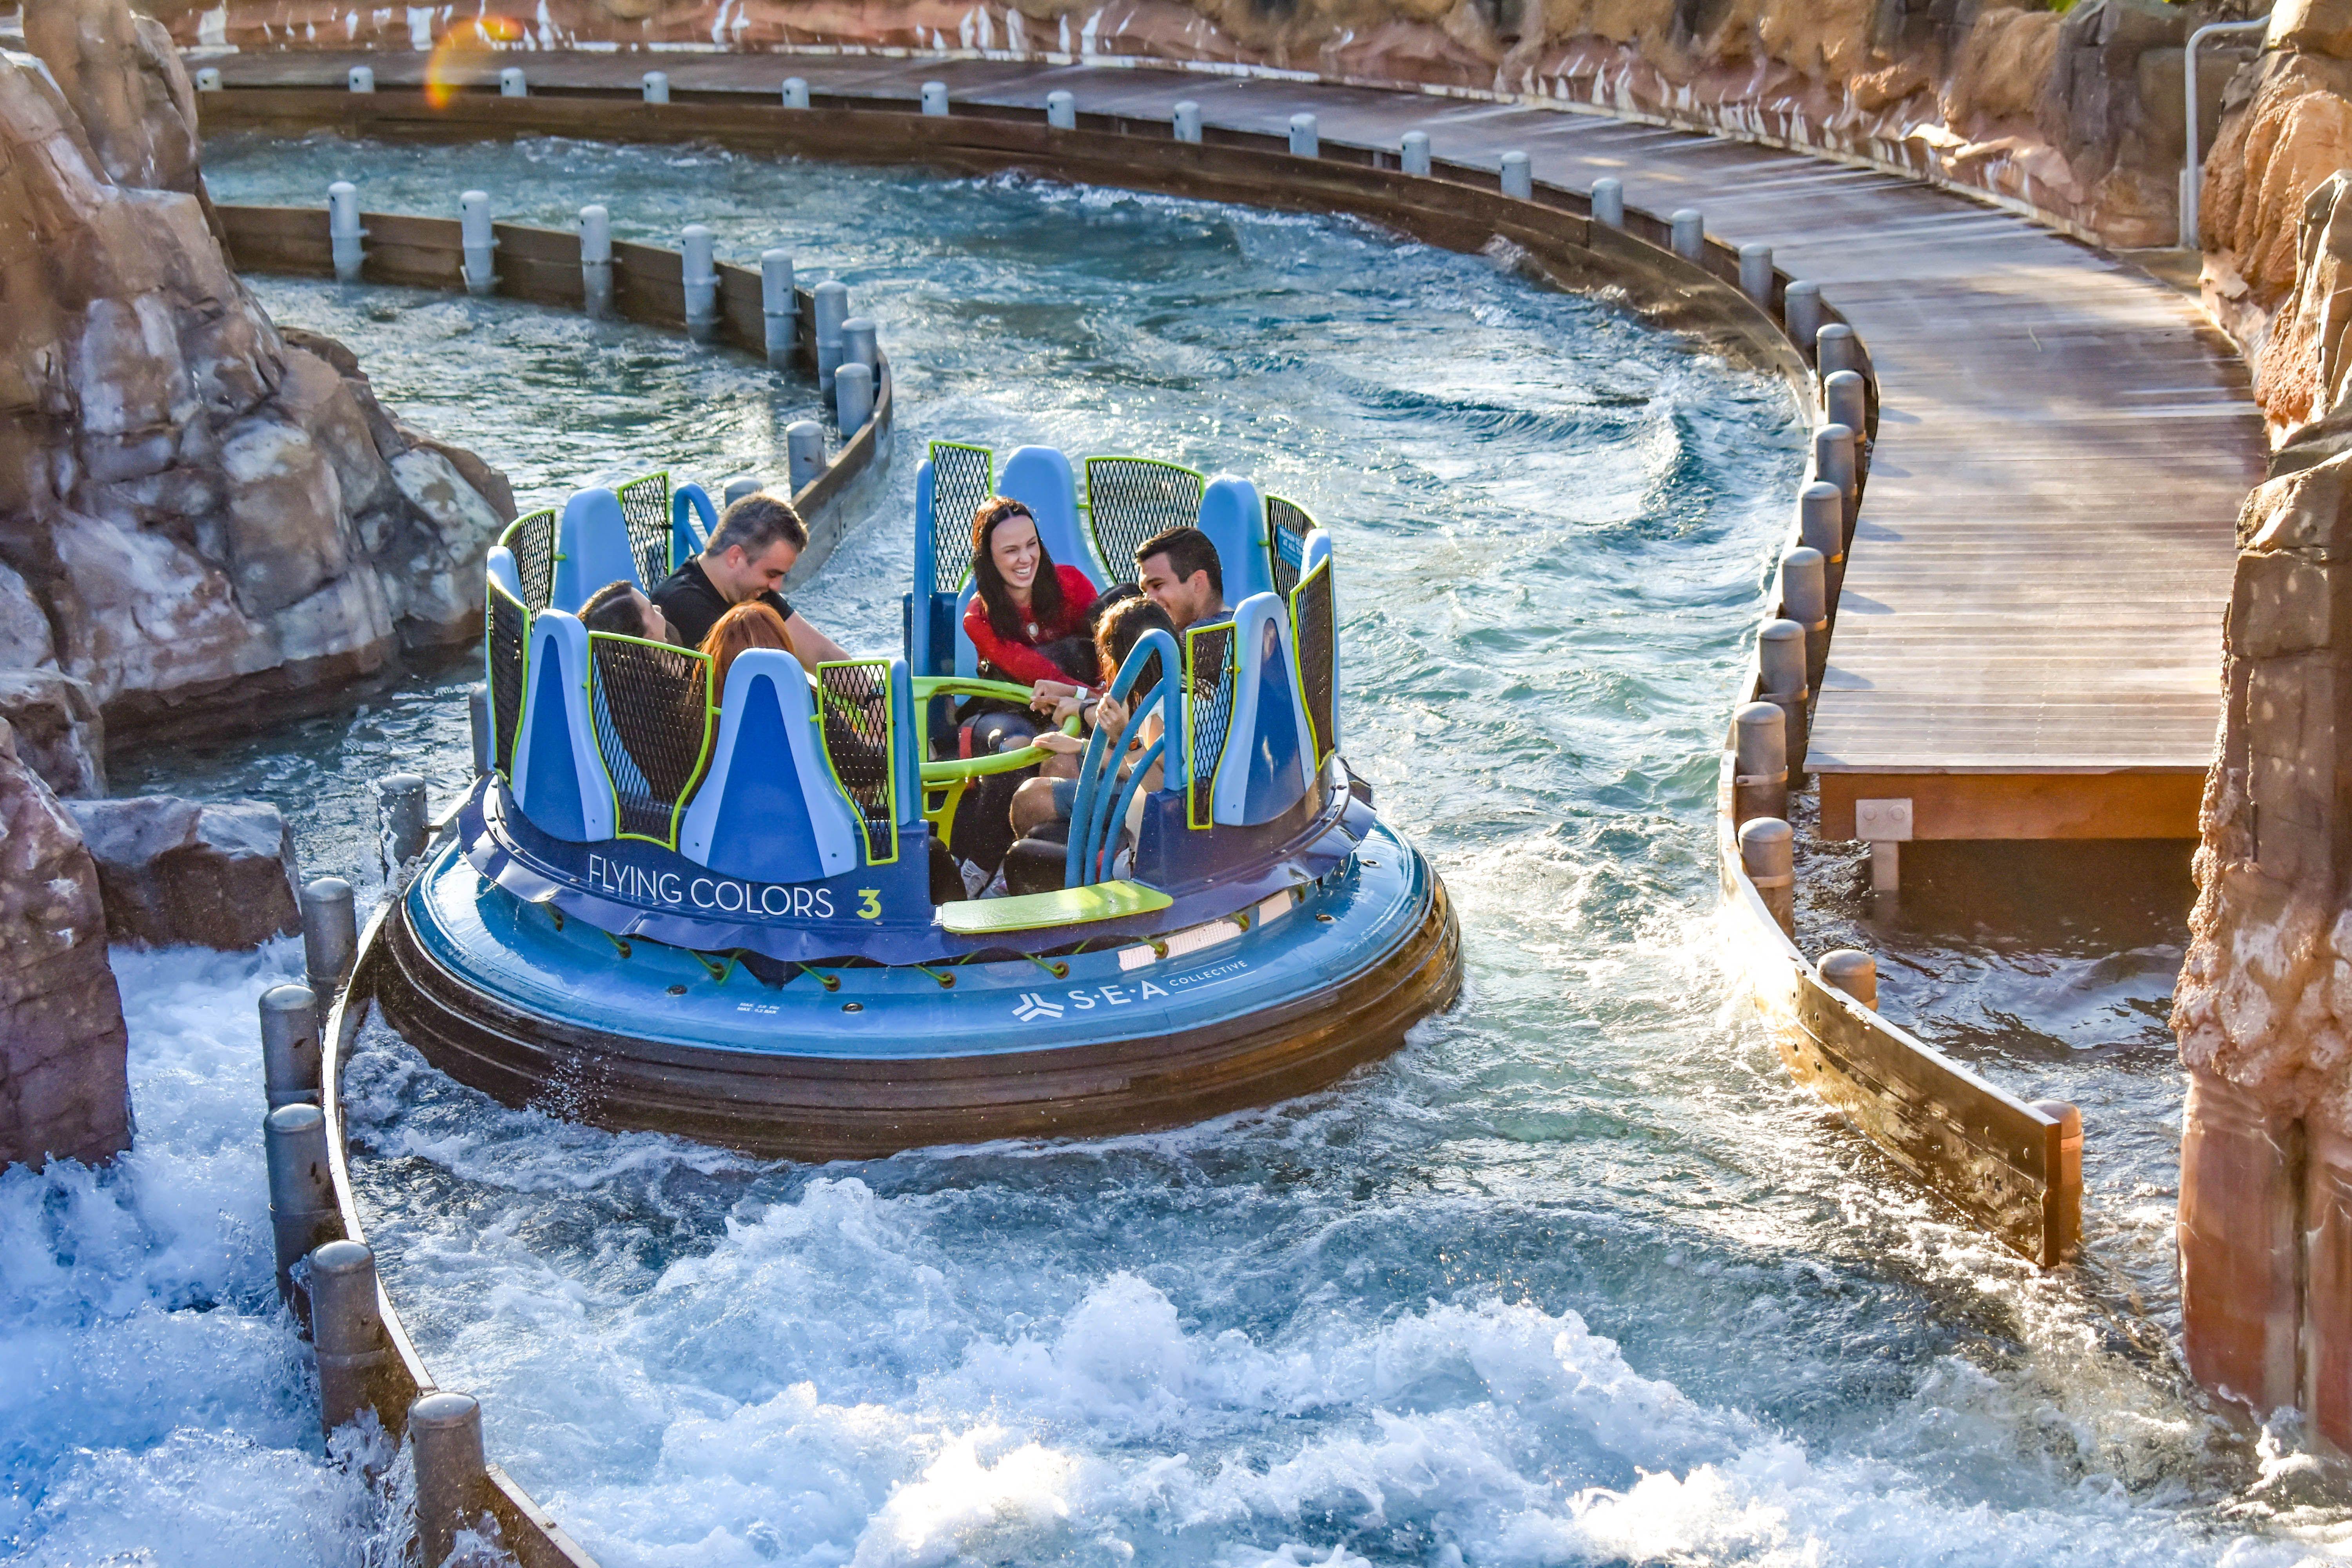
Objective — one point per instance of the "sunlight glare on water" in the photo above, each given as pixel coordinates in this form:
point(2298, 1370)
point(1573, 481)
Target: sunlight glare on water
point(1578, 1277)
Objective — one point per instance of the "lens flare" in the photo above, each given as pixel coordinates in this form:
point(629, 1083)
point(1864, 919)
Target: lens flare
point(444, 72)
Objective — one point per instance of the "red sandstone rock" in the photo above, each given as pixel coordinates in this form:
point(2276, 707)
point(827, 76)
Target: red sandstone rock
point(2263, 1008)
point(2318, 27)
point(64, 1083)
point(2300, 374)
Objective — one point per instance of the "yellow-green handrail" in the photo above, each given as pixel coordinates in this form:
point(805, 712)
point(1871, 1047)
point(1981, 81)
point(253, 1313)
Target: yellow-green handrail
point(963, 770)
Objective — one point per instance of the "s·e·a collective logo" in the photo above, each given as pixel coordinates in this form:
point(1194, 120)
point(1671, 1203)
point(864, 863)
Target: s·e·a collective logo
point(1033, 1006)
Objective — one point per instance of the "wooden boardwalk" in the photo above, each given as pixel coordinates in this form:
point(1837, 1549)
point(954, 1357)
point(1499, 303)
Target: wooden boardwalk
point(2029, 638)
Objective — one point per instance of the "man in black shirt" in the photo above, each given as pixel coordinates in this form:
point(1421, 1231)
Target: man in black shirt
point(756, 542)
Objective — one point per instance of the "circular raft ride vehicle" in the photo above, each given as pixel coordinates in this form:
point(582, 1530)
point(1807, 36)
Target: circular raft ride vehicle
point(716, 918)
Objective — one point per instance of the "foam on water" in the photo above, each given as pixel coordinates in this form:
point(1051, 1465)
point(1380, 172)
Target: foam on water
point(1578, 1277)
point(155, 1404)
point(990, 1355)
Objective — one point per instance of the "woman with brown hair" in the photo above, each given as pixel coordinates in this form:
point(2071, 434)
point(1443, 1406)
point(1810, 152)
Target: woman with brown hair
point(1029, 618)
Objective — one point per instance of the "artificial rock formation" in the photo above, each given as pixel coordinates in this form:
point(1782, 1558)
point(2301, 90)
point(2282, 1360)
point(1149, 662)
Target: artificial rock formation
point(60, 733)
point(216, 874)
point(64, 1082)
point(202, 519)
point(2275, 249)
point(2263, 1008)
point(2078, 117)
point(199, 519)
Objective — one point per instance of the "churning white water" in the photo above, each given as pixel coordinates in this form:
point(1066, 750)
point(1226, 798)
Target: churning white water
point(1577, 1277)
point(156, 1403)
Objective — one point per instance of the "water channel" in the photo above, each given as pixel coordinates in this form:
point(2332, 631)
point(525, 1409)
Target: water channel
point(1578, 1277)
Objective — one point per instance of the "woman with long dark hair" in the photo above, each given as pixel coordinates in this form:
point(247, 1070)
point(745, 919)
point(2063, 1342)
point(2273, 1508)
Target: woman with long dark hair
point(1029, 618)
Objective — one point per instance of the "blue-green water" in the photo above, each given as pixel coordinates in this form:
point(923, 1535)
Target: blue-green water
point(1578, 1275)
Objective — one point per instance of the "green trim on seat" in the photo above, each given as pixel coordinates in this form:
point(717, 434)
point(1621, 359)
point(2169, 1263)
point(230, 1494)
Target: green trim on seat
point(1063, 907)
point(890, 742)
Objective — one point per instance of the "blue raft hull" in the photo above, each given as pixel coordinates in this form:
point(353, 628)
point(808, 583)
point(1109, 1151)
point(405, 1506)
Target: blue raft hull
point(1275, 998)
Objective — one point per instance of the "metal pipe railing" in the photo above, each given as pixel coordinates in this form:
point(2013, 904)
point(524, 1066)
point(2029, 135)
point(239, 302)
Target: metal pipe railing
point(2192, 172)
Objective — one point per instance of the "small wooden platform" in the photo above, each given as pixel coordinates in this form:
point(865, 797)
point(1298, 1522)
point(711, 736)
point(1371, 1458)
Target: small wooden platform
point(2029, 638)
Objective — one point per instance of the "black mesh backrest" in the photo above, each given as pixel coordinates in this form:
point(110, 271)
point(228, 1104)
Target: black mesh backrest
point(858, 737)
point(962, 478)
point(1315, 632)
point(1209, 673)
point(1129, 499)
point(532, 540)
point(652, 708)
point(507, 631)
point(1286, 527)
point(644, 508)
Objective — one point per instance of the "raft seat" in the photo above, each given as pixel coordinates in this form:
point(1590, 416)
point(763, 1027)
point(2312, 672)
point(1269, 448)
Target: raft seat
point(767, 811)
point(605, 749)
point(559, 779)
point(1233, 515)
point(591, 548)
point(1265, 760)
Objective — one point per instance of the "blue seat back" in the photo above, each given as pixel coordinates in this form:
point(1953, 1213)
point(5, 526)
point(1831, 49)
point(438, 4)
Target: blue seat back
point(591, 548)
point(1267, 762)
point(559, 780)
point(1233, 517)
point(966, 656)
point(1039, 478)
point(500, 565)
point(768, 810)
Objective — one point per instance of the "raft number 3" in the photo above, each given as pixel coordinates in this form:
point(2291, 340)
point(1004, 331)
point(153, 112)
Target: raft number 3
point(869, 903)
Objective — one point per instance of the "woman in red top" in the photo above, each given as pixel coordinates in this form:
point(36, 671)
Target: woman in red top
point(1029, 619)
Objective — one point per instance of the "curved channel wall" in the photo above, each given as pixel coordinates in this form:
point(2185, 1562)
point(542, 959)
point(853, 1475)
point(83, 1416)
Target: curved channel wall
point(2006, 1164)
point(541, 266)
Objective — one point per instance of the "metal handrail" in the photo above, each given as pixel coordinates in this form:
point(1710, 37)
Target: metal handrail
point(1089, 821)
point(2192, 170)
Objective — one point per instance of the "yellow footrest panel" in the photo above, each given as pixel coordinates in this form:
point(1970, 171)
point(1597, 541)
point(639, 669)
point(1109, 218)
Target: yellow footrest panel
point(1062, 907)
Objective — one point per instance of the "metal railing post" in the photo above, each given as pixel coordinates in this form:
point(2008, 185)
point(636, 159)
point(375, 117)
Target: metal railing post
point(2192, 169)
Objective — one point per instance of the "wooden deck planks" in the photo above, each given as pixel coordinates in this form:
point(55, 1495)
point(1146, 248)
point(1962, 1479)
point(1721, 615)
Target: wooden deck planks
point(2038, 580)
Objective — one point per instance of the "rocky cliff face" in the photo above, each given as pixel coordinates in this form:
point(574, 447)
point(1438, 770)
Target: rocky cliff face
point(202, 519)
point(64, 1085)
point(2263, 1008)
point(2079, 117)
point(199, 518)
point(2274, 252)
